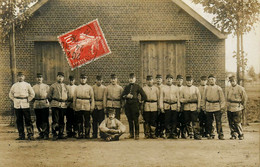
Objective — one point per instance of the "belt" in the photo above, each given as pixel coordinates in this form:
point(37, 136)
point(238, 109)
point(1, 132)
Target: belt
point(59, 100)
point(83, 98)
point(170, 102)
point(235, 101)
point(21, 97)
point(193, 102)
point(150, 101)
point(213, 101)
point(114, 99)
point(98, 100)
point(39, 99)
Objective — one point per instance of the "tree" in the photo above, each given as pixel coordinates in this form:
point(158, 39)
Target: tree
point(13, 13)
point(251, 73)
point(234, 16)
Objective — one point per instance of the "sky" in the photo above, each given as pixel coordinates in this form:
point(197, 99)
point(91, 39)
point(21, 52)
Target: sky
point(251, 43)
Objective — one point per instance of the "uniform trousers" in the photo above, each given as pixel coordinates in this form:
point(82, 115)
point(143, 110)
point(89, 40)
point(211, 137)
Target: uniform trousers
point(70, 124)
point(160, 124)
point(114, 136)
point(210, 118)
point(42, 121)
point(98, 116)
point(132, 114)
point(83, 118)
point(171, 118)
point(202, 120)
point(191, 118)
point(21, 115)
point(150, 122)
point(58, 115)
point(234, 120)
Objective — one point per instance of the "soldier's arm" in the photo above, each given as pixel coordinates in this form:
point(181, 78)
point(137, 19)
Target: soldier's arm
point(198, 96)
point(11, 93)
point(122, 101)
point(158, 98)
point(74, 98)
point(121, 126)
point(103, 127)
point(50, 93)
point(142, 93)
point(92, 99)
point(124, 94)
point(105, 98)
point(203, 100)
point(161, 99)
point(244, 97)
point(31, 93)
point(221, 98)
point(182, 97)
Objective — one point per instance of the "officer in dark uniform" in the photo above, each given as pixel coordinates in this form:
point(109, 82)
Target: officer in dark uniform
point(130, 93)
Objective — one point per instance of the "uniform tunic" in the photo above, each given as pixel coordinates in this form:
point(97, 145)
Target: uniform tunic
point(71, 89)
point(99, 92)
point(21, 93)
point(58, 95)
point(84, 98)
point(41, 92)
point(108, 124)
point(236, 98)
point(201, 89)
point(190, 93)
point(169, 97)
point(112, 97)
point(152, 101)
point(213, 99)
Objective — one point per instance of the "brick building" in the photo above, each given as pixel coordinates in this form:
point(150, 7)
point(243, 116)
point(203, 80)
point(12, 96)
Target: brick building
point(145, 37)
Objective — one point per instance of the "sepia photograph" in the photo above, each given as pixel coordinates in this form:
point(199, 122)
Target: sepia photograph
point(129, 83)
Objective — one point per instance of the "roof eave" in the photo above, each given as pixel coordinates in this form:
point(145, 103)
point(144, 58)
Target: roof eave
point(37, 6)
point(200, 19)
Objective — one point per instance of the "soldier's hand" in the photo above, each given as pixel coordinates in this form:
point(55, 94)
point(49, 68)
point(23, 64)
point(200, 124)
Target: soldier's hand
point(129, 96)
point(162, 110)
point(198, 110)
point(222, 110)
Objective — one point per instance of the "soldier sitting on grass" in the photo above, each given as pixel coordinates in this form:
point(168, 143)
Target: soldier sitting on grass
point(111, 128)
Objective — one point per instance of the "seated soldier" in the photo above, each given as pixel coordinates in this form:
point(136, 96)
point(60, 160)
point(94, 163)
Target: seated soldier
point(111, 128)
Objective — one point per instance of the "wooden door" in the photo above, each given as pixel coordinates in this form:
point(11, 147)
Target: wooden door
point(162, 57)
point(49, 60)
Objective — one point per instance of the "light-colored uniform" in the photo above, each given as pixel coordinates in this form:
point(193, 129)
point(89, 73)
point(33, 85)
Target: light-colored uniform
point(41, 92)
point(83, 98)
point(99, 92)
point(112, 97)
point(152, 102)
point(59, 95)
point(190, 93)
point(170, 98)
point(71, 90)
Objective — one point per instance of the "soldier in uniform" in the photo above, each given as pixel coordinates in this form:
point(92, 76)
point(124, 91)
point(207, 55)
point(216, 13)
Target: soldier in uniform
point(41, 107)
point(84, 104)
point(111, 128)
point(202, 114)
point(236, 101)
point(70, 114)
point(160, 127)
point(213, 102)
point(21, 94)
point(130, 94)
point(112, 97)
point(58, 96)
point(98, 114)
point(181, 125)
point(170, 104)
point(190, 98)
point(151, 105)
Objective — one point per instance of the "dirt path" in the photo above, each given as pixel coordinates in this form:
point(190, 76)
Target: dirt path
point(132, 153)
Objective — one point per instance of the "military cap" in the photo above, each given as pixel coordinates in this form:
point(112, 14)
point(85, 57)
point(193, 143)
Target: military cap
point(60, 73)
point(98, 77)
point(131, 75)
point(71, 78)
point(83, 75)
point(113, 76)
point(158, 76)
point(232, 78)
point(149, 77)
point(39, 75)
point(179, 77)
point(188, 78)
point(203, 78)
point(211, 76)
point(169, 76)
point(111, 111)
point(20, 74)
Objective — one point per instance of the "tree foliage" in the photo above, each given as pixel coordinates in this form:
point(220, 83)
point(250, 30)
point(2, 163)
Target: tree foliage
point(251, 73)
point(232, 15)
point(13, 12)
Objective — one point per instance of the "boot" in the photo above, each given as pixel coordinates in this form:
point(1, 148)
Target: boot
point(87, 131)
point(61, 135)
point(152, 132)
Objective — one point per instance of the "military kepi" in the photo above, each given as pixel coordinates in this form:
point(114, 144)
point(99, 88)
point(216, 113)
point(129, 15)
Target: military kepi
point(149, 77)
point(83, 75)
point(61, 74)
point(158, 76)
point(169, 76)
point(20, 74)
point(203, 78)
point(131, 75)
point(99, 77)
point(39, 75)
point(211, 76)
point(179, 77)
point(232, 78)
point(188, 78)
point(71, 78)
point(113, 76)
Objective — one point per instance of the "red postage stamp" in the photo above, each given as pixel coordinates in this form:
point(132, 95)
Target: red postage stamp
point(84, 44)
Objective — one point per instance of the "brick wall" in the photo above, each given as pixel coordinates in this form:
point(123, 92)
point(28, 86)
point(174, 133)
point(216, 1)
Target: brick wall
point(120, 20)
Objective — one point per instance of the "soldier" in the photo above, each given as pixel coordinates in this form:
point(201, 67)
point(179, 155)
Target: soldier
point(213, 102)
point(98, 114)
point(161, 115)
point(181, 125)
point(21, 94)
point(58, 96)
point(111, 128)
point(84, 104)
point(169, 103)
point(151, 105)
point(236, 102)
point(41, 107)
point(70, 115)
point(190, 98)
point(202, 114)
point(130, 94)
point(112, 97)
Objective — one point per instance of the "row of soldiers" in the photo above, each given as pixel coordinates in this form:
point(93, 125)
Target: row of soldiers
point(169, 111)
